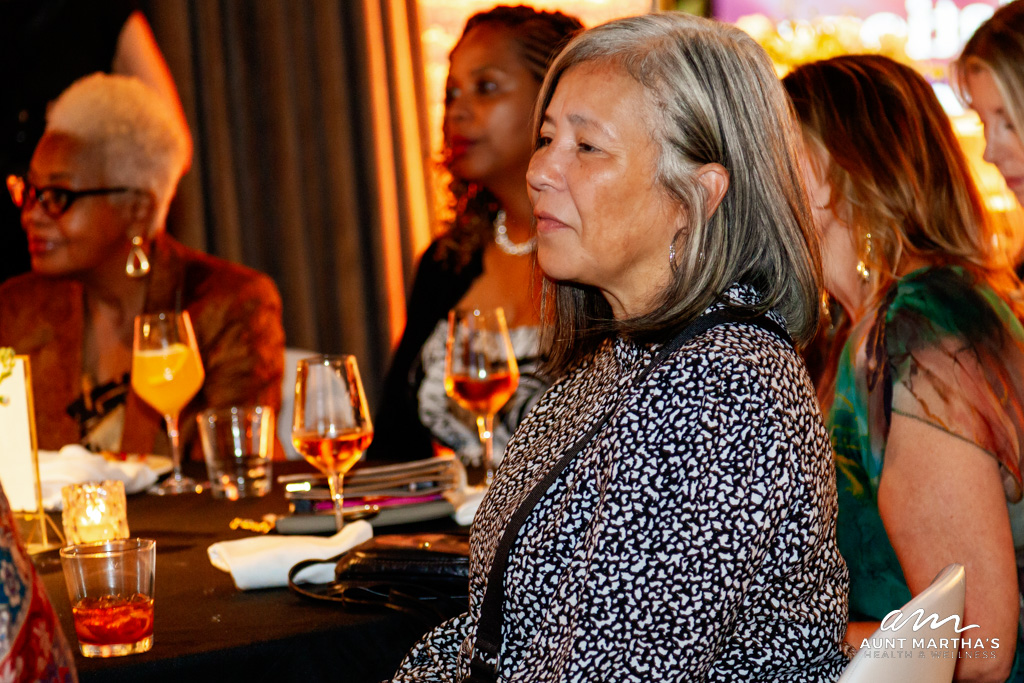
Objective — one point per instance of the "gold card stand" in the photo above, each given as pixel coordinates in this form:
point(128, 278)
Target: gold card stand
point(40, 532)
point(20, 466)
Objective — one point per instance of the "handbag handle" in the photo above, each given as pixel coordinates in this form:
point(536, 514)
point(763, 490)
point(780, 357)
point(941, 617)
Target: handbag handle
point(298, 567)
point(424, 603)
point(484, 664)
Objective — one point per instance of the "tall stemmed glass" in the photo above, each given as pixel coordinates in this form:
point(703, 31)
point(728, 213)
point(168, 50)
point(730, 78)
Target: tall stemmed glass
point(480, 370)
point(166, 373)
point(331, 424)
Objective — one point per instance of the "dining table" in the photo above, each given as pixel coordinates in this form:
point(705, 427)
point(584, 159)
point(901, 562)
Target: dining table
point(205, 629)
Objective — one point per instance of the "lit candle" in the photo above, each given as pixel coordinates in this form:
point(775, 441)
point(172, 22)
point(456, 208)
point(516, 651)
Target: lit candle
point(94, 512)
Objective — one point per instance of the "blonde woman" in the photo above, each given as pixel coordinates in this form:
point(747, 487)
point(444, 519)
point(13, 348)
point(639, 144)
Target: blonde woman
point(990, 77)
point(927, 414)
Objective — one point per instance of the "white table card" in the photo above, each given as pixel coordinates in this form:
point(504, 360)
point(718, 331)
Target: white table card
point(19, 469)
point(19, 455)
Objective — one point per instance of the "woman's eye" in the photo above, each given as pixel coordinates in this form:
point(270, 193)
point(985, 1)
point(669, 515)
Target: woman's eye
point(485, 87)
point(585, 147)
point(450, 94)
point(543, 141)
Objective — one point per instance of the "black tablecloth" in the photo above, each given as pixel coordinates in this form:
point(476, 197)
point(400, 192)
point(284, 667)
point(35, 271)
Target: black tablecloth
point(207, 630)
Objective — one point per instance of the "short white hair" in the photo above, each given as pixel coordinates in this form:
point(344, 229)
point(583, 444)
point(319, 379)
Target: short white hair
point(141, 140)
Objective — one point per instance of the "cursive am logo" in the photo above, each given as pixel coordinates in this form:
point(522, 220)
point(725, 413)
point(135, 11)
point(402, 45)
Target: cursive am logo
point(885, 646)
point(893, 622)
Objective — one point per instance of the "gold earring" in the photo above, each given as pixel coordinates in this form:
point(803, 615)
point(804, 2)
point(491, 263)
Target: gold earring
point(671, 254)
point(862, 264)
point(137, 265)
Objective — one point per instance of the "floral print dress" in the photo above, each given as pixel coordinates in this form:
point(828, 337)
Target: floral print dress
point(943, 348)
point(32, 646)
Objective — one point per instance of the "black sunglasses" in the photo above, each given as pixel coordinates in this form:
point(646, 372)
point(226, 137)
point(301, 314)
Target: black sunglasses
point(55, 201)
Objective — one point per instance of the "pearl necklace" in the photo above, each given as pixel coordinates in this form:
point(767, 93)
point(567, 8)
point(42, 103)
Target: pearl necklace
point(507, 245)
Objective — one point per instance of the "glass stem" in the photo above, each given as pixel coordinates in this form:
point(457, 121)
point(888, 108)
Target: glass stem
point(338, 498)
point(172, 433)
point(485, 425)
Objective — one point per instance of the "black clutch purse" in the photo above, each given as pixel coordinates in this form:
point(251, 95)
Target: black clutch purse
point(425, 576)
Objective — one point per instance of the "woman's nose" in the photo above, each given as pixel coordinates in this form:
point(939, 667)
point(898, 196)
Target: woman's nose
point(457, 109)
point(990, 151)
point(32, 213)
point(542, 172)
point(995, 145)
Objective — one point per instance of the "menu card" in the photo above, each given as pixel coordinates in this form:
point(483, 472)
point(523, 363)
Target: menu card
point(19, 469)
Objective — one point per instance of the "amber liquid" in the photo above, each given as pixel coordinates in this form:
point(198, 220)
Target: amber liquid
point(333, 454)
point(167, 379)
point(482, 396)
point(113, 619)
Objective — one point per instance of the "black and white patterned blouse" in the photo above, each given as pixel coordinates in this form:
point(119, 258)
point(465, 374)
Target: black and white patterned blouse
point(692, 540)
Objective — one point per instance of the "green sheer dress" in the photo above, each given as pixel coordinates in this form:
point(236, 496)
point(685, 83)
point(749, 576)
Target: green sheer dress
point(945, 349)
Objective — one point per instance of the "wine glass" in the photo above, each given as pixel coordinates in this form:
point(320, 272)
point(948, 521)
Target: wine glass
point(166, 373)
point(480, 371)
point(331, 422)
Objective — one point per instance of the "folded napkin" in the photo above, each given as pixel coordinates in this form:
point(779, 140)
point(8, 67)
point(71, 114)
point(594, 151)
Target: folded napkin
point(264, 561)
point(465, 501)
point(74, 464)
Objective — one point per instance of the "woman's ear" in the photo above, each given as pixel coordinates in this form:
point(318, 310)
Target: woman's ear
point(714, 178)
point(142, 211)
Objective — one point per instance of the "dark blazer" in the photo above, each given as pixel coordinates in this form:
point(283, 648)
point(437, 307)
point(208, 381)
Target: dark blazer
point(236, 313)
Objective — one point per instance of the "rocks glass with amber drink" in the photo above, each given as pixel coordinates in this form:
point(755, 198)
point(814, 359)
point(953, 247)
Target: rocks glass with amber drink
point(110, 585)
point(166, 373)
point(480, 371)
point(331, 423)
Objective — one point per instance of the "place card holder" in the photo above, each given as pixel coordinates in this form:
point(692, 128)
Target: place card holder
point(19, 464)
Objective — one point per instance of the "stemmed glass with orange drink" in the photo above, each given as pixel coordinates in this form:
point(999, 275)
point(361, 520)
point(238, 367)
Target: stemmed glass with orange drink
point(331, 424)
point(480, 371)
point(166, 373)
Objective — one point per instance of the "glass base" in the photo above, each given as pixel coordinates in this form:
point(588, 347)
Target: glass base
point(117, 650)
point(172, 487)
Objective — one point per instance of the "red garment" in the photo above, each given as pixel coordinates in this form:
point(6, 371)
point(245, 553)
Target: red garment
point(32, 645)
point(236, 313)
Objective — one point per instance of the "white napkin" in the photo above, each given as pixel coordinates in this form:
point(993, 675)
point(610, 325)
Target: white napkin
point(73, 464)
point(264, 561)
point(465, 501)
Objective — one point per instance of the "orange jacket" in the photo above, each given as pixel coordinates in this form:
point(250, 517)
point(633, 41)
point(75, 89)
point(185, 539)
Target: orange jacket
point(236, 313)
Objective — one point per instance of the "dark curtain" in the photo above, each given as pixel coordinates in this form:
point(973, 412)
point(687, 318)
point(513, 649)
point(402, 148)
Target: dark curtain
point(310, 156)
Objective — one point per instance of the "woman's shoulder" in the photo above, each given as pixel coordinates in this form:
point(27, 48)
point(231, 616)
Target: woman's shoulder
point(30, 300)
point(206, 274)
point(32, 289)
point(935, 303)
point(760, 346)
point(740, 367)
point(446, 257)
point(941, 290)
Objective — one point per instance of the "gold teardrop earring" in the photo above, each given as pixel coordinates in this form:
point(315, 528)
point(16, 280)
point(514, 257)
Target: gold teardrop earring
point(138, 264)
point(862, 264)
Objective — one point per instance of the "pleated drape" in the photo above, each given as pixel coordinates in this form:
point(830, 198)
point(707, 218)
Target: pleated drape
point(311, 153)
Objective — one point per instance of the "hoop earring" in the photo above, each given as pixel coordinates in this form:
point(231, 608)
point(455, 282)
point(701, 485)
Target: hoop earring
point(138, 264)
point(862, 265)
point(672, 255)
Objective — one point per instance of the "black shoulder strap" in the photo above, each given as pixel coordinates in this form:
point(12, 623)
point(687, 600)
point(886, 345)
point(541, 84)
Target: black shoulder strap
point(484, 664)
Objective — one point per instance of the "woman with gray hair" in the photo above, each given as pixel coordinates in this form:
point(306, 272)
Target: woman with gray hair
point(667, 511)
point(93, 206)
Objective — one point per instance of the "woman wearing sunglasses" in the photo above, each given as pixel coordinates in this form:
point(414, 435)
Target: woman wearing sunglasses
point(93, 206)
